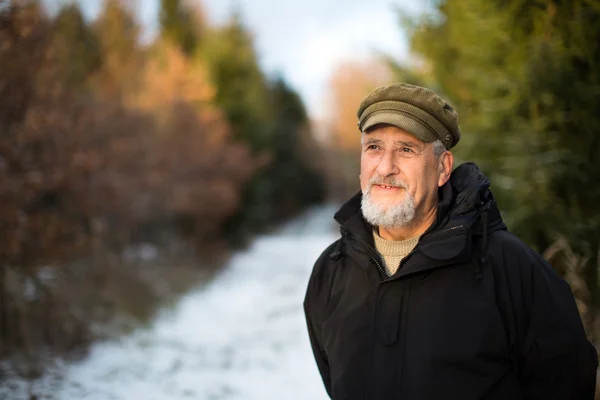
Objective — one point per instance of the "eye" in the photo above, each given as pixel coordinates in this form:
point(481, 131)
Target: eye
point(373, 147)
point(406, 150)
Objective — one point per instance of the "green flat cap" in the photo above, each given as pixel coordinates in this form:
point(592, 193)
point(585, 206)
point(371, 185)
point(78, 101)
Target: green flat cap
point(413, 108)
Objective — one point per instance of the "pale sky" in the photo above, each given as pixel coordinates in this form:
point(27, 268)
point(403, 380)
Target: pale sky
point(305, 40)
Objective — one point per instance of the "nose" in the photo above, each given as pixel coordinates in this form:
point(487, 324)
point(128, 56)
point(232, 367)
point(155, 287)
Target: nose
point(387, 166)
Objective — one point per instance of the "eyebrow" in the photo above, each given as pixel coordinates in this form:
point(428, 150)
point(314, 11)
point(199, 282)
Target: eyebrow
point(403, 143)
point(372, 141)
point(397, 143)
point(406, 143)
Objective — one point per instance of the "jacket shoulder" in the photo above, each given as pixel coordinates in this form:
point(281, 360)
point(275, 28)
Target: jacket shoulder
point(523, 271)
point(323, 270)
point(513, 253)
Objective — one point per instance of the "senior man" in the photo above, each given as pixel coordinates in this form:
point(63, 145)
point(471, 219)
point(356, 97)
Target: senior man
point(426, 295)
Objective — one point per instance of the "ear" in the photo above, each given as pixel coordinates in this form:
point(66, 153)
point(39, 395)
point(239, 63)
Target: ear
point(446, 161)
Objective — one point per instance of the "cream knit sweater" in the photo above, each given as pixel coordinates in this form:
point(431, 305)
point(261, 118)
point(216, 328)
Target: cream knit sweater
point(393, 251)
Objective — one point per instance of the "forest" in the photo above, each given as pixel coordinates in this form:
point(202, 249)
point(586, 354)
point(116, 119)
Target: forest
point(112, 147)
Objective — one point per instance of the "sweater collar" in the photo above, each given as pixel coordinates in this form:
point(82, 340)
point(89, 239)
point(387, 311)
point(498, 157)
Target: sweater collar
point(394, 248)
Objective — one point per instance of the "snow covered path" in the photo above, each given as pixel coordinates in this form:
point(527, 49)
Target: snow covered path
point(240, 337)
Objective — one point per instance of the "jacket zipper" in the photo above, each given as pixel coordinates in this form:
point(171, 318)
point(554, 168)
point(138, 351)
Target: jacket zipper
point(368, 254)
point(373, 258)
point(448, 230)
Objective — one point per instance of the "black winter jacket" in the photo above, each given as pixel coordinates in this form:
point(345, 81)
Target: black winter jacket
point(472, 312)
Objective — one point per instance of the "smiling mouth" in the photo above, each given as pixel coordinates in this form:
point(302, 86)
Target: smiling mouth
point(387, 187)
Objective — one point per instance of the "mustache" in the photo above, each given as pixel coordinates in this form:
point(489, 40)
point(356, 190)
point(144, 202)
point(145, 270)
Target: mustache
point(390, 181)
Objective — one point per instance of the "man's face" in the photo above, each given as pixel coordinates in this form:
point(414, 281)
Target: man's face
point(399, 178)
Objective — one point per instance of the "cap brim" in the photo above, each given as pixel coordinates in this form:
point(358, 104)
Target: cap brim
point(401, 121)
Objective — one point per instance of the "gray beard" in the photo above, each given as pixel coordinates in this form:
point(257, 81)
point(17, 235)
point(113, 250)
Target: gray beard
point(395, 216)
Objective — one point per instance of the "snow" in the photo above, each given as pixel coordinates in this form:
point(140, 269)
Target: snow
point(242, 336)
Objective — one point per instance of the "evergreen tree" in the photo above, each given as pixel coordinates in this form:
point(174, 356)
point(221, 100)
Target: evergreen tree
point(118, 35)
point(292, 181)
point(180, 24)
point(240, 83)
point(270, 118)
point(525, 78)
point(77, 43)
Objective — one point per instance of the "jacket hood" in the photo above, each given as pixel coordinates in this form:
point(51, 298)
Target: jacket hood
point(466, 208)
point(471, 199)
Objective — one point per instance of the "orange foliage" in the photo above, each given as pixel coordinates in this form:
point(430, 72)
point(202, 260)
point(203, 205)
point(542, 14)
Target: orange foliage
point(144, 145)
point(196, 158)
point(169, 76)
point(92, 165)
point(95, 154)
